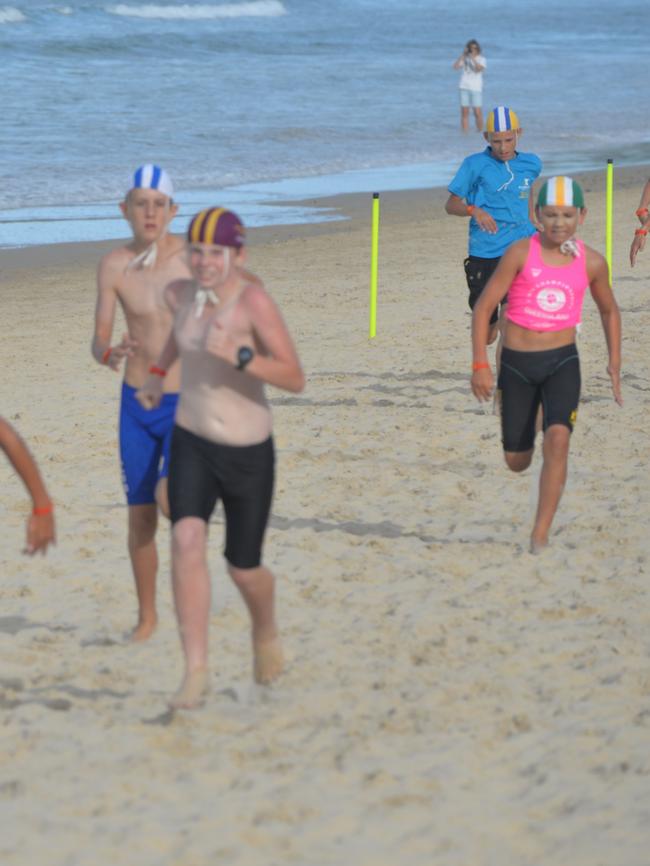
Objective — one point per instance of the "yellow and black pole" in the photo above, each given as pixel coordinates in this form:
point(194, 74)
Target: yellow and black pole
point(373, 265)
point(609, 215)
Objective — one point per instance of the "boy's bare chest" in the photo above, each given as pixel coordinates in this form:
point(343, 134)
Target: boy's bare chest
point(193, 331)
point(142, 292)
point(142, 297)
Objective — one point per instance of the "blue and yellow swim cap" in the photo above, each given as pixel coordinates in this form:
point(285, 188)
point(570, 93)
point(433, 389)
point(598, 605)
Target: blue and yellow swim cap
point(219, 226)
point(501, 119)
point(561, 191)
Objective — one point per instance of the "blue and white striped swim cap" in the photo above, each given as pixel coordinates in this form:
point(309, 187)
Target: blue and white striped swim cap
point(501, 119)
point(153, 177)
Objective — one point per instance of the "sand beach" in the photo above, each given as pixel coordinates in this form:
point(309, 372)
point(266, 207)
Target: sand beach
point(450, 700)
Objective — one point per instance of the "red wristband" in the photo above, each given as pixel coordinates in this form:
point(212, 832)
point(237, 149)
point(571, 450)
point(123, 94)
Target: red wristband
point(106, 355)
point(480, 365)
point(43, 510)
point(157, 371)
point(641, 231)
point(470, 209)
point(642, 211)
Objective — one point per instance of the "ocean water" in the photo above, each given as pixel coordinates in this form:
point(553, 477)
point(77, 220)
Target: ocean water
point(257, 103)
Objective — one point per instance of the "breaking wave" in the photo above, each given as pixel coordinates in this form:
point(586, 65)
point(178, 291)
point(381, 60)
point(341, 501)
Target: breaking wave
point(185, 11)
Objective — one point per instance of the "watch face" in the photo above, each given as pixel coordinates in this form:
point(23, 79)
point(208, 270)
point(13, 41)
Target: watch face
point(244, 356)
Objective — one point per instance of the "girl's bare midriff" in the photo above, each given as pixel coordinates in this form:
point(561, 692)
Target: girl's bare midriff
point(524, 340)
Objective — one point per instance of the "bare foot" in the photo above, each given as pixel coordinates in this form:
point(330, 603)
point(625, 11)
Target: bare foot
point(143, 630)
point(268, 660)
point(191, 692)
point(538, 544)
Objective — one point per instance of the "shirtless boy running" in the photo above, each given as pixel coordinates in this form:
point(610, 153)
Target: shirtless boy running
point(232, 340)
point(135, 276)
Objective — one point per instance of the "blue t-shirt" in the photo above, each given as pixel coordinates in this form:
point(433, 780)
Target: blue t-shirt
point(503, 190)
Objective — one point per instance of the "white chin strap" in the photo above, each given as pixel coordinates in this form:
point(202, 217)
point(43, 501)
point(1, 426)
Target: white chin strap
point(570, 247)
point(510, 179)
point(202, 296)
point(148, 257)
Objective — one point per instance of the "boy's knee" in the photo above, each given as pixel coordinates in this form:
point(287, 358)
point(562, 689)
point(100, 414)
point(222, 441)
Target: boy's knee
point(244, 577)
point(143, 520)
point(517, 461)
point(188, 537)
point(162, 498)
point(556, 439)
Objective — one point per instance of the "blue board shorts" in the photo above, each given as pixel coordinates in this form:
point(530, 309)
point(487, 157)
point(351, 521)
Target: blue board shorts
point(145, 439)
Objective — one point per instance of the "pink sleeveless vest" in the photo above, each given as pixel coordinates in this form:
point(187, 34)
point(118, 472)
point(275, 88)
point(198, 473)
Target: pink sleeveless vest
point(547, 298)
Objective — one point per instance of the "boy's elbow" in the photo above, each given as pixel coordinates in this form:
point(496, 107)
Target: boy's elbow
point(93, 347)
point(300, 384)
point(480, 314)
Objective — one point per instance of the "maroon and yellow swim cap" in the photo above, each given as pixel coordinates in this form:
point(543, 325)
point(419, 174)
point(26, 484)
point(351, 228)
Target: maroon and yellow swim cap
point(219, 226)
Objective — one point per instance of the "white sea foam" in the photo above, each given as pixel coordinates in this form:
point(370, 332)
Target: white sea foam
point(11, 15)
point(254, 9)
point(65, 10)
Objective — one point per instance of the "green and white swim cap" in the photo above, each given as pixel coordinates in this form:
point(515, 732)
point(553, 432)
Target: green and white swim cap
point(561, 191)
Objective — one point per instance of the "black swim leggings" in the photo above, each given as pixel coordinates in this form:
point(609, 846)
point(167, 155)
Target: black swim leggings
point(201, 472)
point(528, 379)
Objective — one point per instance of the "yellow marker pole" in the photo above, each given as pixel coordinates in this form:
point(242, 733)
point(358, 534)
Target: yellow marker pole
point(609, 215)
point(373, 265)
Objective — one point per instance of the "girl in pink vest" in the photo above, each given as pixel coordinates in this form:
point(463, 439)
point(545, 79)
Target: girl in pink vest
point(545, 277)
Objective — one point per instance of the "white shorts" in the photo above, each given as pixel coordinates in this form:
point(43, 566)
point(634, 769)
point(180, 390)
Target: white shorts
point(471, 98)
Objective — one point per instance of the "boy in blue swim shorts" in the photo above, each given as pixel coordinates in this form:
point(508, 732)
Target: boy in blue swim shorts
point(494, 189)
point(135, 276)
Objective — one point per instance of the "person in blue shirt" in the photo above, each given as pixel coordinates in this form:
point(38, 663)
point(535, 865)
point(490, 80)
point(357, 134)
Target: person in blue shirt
point(494, 188)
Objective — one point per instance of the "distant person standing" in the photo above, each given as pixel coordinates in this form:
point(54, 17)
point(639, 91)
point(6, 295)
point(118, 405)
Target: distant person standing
point(644, 218)
point(473, 64)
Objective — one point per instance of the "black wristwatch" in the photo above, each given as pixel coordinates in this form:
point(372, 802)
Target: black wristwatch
point(244, 356)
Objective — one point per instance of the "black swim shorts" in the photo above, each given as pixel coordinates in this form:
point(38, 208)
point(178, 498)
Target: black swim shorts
point(202, 472)
point(477, 273)
point(530, 379)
